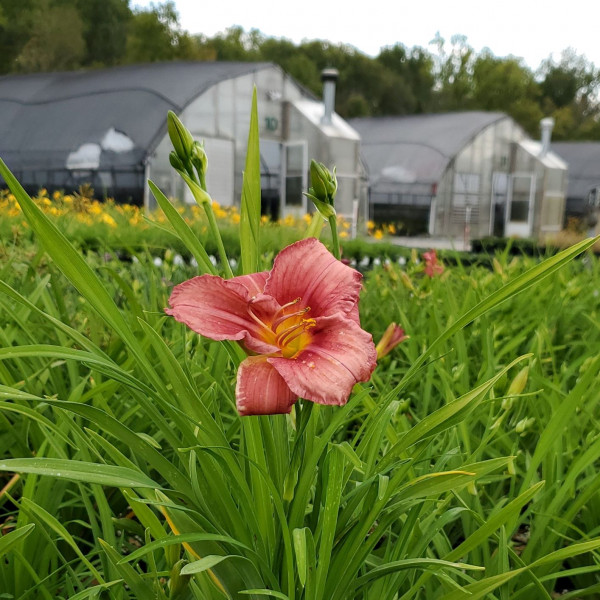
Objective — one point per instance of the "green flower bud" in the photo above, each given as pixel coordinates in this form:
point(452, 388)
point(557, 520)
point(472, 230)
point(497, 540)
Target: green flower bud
point(323, 189)
point(326, 210)
point(518, 383)
point(318, 186)
point(176, 161)
point(181, 138)
point(199, 159)
point(200, 195)
point(324, 183)
point(179, 584)
point(524, 424)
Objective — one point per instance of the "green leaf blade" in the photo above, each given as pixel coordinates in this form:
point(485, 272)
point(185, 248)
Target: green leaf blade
point(250, 204)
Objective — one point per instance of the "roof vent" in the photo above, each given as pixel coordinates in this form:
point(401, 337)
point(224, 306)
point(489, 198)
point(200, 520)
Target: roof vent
point(329, 78)
point(546, 125)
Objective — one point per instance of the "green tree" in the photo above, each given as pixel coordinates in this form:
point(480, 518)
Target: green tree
point(237, 45)
point(498, 83)
point(453, 69)
point(415, 68)
point(155, 35)
point(16, 19)
point(570, 95)
point(56, 40)
point(105, 24)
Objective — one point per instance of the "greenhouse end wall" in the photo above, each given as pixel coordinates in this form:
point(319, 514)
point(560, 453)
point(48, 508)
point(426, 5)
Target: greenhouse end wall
point(466, 201)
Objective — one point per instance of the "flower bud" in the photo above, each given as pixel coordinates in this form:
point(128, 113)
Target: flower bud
point(175, 161)
point(323, 189)
point(317, 180)
point(179, 584)
point(524, 424)
point(394, 335)
point(181, 138)
point(199, 159)
point(200, 195)
point(516, 387)
point(519, 382)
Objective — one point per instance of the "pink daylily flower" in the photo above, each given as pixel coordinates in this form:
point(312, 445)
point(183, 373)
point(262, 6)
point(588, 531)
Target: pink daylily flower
point(298, 322)
point(432, 266)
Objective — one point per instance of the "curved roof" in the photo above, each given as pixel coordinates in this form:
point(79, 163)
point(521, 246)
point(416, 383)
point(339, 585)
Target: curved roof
point(46, 117)
point(417, 148)
point(583, 159)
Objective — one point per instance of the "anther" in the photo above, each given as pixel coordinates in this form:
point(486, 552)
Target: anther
point(283, 318)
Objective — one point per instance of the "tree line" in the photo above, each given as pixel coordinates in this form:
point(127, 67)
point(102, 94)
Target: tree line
point(53, 35)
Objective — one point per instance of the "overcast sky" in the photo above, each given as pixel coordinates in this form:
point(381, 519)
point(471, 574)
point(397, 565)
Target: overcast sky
point(529, 29)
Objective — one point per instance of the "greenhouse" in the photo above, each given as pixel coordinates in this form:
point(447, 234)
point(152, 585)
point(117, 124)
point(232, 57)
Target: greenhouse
point(583, 190)
point(107, 127)
point(468, 174)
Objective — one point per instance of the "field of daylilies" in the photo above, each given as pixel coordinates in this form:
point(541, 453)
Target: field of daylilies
point(200, 404)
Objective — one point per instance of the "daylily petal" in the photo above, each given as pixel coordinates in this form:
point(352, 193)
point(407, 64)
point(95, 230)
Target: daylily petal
point(260, 389)
point(339, 355)
point(254, 283)
point(218, 309)
point(309, 271)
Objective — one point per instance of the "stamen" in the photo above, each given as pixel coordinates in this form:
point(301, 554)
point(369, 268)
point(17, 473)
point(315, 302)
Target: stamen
point(284, 334)
point(289, 304)
point(289, 335)
point(257, 320)
point(280, 320)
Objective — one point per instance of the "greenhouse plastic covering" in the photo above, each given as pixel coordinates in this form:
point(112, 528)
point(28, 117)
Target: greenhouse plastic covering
point(53, 125)
point(405, 151)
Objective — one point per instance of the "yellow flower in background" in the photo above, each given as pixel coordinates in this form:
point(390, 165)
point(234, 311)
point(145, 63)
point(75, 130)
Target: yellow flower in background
point(68, 198)
point(235, 218)
point(391, 229)
point(370, 225)
point(56, 195)
point(343, 234)
point(378, 234)
point(83, 218)
point(264, 219)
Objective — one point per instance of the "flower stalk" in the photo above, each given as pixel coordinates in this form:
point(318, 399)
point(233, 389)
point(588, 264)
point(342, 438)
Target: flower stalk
point(189, 159)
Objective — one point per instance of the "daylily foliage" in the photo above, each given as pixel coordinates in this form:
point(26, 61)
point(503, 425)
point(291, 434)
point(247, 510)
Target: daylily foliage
point(298, 322)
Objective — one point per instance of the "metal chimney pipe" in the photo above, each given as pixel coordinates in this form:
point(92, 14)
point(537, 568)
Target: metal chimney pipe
point(329, 78)
point(546, 125)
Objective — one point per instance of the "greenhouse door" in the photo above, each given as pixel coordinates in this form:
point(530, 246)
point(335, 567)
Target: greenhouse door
point(294, 178)
point(519, 205)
